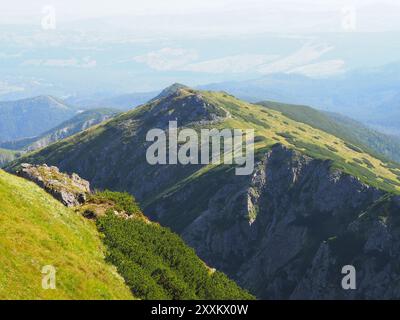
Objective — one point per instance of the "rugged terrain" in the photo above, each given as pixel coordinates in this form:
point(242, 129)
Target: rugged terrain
point(314, 203)
point(287, 231)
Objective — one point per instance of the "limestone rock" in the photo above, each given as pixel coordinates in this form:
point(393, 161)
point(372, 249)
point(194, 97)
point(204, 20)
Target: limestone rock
point(71, 190)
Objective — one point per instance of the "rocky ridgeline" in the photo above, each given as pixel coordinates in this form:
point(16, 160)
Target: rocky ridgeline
point(71, 190)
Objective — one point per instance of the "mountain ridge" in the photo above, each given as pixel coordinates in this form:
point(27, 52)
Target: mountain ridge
point(32, 116)
point(77, 123)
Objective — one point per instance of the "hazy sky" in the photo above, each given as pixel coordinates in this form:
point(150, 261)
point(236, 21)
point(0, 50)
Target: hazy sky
point(131, 45)
point(248, 15)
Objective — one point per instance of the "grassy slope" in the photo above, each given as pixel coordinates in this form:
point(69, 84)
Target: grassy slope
point(271, 127)
point(342, 127)
point(36, 230)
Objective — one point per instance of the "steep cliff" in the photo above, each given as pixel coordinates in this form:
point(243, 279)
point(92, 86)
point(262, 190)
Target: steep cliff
point(287, 231)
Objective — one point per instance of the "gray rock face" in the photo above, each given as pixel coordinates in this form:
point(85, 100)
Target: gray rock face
point(286, 231)
point(71, 190)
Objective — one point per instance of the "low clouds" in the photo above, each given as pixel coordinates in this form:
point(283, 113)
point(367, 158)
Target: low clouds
point(6, 87)
point(4, 55)
point(226, 16)
point(305, 55)
point(303, 61)
point(231, 64)
point(167, 58)
point(320, 69)
point(86, 62)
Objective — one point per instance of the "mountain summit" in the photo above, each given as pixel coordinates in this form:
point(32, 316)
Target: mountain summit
point(172, 89)
point(185, 105)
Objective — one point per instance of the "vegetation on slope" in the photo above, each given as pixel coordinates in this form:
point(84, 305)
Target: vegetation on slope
point(345, 128)
point(274, 128)
point(35, 231)
point(119, 201)
point(157, 264)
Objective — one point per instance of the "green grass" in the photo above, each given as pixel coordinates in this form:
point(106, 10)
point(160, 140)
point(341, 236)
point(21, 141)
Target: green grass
point(36, 230)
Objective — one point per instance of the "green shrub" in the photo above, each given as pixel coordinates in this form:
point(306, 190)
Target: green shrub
point(176, 288)
point(330, 148)
point(353, 147)
point(122, 201)
point(368, 163)
point(285, 135)
point(157, 264)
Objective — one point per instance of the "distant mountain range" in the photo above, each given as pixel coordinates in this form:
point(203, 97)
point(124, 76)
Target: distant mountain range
point(31, 117)
point(78, 123)
point(317, 200)
point(121, 102)
point(370, 96)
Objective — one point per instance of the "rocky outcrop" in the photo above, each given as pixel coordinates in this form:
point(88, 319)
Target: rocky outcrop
point(71, 190)
point(286, 231)
point(186, 106)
